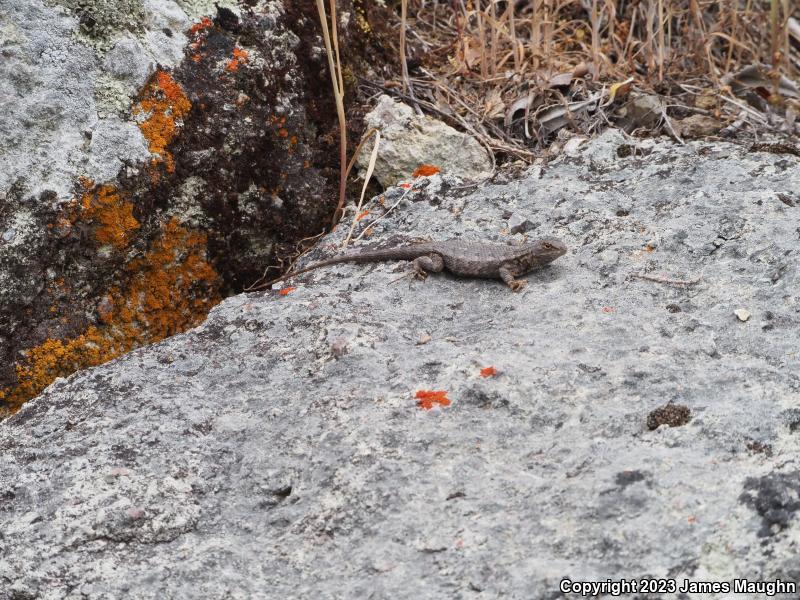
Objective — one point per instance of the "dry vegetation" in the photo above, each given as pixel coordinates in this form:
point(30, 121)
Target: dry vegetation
point(521, 75)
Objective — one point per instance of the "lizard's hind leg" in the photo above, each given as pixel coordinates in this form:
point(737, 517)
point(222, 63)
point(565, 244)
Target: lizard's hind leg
point(430, 263)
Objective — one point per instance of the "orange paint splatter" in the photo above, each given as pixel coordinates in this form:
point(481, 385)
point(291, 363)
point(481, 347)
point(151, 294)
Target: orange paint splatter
point(425, 171)
point(427, 398)
point(488, 372)
point(405, 186)
point(286, 291)
point(362, 215)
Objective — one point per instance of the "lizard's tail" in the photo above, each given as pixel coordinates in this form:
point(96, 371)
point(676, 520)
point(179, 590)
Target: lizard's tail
point(409, 252)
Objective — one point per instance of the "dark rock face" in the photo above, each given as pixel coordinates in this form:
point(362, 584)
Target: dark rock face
point(283, 448)
point(185, 181)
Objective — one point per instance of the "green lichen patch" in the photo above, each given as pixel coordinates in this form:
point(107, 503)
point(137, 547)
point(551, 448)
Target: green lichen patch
point(199, 8)
point(101, 21)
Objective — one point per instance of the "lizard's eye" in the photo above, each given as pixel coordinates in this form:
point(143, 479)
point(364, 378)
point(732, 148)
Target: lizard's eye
point(547, 246)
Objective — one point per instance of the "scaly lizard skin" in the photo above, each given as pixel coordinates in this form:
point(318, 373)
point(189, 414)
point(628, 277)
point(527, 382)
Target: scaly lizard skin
point(463, 258)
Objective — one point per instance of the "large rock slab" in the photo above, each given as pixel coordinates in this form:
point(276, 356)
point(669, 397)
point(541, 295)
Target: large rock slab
point(279, 450)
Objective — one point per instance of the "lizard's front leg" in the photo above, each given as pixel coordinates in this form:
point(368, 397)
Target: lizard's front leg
point(507, 275)
point(430, 263)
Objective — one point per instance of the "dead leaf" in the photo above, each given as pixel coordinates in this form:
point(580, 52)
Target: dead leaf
point(757, 78)
point(620, 89)
point(560, 80)
point(493, 105)
point(521, 103)
point(580, 71)
point(556, 117)
point(473, 53)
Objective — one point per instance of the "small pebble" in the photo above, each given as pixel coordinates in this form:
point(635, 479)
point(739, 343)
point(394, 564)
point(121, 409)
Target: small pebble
point(742, 314)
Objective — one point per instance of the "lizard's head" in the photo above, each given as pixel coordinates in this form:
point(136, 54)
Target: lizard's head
point(548, 249)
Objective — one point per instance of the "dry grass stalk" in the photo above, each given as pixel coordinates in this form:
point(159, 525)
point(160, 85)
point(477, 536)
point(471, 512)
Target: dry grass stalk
point(331, 37)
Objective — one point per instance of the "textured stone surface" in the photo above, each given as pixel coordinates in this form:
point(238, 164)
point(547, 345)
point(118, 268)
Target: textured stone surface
point(409, 141)
point(155, 157)
point(278, 450)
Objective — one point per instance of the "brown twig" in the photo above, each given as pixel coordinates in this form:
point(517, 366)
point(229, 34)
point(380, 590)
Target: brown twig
point(667, 280)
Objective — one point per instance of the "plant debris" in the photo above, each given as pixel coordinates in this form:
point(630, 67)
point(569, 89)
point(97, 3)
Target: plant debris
point(519, 75)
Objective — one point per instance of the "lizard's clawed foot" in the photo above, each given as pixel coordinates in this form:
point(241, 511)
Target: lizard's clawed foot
point(516, 285)
point(420, 274)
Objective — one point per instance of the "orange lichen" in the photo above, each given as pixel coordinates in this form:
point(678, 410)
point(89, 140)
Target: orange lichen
point(427, 398)
point(239, 58)
point(425, 171)
point(488, 372)
point(205, 23)
point(168, 290)
point(160, 110)
point(111, 215)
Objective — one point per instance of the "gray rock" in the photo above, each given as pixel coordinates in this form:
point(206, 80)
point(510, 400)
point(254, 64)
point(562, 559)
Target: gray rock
point(48, 81)
point(409, 140)
point(278, 450)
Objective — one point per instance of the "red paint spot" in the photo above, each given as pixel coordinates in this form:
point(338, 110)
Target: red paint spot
point(488, 372)
point(427, 398)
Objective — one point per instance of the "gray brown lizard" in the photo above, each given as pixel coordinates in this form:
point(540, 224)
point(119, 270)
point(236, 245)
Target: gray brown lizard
point(463, 258)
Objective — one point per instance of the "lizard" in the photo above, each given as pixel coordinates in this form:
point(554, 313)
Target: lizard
point(462, 258)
